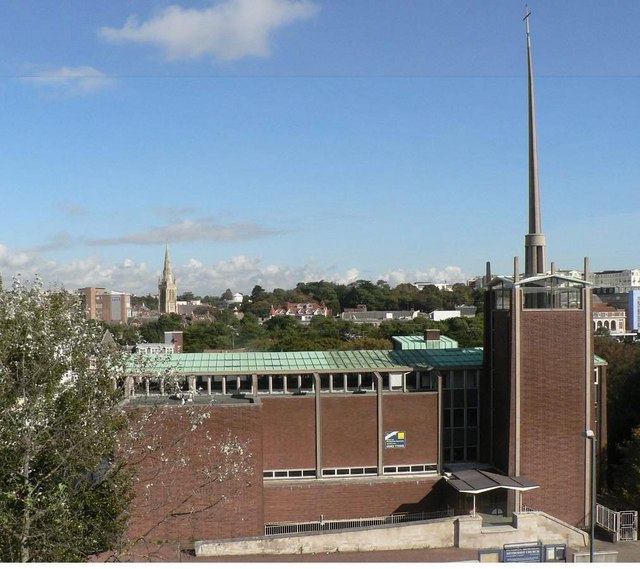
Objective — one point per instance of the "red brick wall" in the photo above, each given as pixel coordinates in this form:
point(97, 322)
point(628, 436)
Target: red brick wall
point(178, 477)
point(289, 439)
point(417, 415)
point(349, 430)
point(345, 499)
point(553, 411)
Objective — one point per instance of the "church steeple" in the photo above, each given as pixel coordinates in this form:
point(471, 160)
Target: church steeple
point(167, 286)
point(535, 243)
point(166, 273)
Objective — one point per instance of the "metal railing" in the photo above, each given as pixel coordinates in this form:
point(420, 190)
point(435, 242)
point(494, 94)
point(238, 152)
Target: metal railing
point(623, 525)
point(284, 528)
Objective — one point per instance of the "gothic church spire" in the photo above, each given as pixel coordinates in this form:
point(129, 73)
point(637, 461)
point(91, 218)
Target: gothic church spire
point(167, 286)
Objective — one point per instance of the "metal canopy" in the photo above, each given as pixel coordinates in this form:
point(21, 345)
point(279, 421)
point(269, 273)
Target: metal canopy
point(478, 481)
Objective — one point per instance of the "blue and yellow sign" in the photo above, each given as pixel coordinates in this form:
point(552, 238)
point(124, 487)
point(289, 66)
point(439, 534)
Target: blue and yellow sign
point(395, 439)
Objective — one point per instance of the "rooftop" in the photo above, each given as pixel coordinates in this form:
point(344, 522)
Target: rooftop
point(308, 362)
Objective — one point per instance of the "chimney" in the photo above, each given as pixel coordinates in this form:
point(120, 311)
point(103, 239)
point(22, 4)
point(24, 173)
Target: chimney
point(431, 334)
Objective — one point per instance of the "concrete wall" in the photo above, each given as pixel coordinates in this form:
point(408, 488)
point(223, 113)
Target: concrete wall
point(434, 533)
point(463, 532)
point(527, 527)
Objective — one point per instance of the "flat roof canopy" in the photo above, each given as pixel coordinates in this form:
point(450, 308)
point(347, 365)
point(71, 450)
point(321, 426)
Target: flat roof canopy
point(478, 481)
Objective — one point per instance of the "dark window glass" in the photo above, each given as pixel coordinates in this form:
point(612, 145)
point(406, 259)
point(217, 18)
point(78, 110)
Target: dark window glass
point(458, 418)
point(447, 418)
point(458, 454)
point(458, 397)
point(472, 417)
point(458, 437)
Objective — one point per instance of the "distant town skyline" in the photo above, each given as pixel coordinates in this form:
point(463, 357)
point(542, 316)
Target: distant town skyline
point(277, 141)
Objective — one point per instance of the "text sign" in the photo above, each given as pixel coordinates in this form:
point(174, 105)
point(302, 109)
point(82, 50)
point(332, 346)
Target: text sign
point(395, 439)
point(524, 554)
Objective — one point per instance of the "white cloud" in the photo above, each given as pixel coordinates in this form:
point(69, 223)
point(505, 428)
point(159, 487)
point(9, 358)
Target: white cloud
point(239, 273)
point(227, 31)
point(75, 80)
point(203, 229)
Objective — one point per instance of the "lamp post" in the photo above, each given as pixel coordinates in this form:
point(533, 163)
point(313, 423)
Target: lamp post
point(589, 434)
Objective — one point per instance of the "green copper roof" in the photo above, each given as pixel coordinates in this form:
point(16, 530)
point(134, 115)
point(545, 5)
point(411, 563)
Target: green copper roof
point(246, 363)
point(418, 342)
point(307, 362)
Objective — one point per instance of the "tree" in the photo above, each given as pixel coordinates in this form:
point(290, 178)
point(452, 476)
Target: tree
point(627, 472)
point(61, 495)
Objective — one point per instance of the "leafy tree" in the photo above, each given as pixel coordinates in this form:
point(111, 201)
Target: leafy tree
point(187, 296)
point(627, 472)
point(123, 334)
point(227, 295)
point(150, 301)
point(154, 331)
point(61, 497)
point(258, 293)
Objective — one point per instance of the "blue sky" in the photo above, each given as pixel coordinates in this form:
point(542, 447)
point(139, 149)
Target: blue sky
point(278, 141)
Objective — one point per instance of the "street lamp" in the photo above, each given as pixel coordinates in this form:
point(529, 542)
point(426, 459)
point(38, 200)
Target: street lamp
point(589, 434)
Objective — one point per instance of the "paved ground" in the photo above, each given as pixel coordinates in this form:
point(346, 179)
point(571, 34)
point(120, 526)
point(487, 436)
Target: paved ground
point(628, 551)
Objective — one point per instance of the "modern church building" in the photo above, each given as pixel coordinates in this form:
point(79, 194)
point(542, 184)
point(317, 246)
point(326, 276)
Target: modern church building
point(429, 430)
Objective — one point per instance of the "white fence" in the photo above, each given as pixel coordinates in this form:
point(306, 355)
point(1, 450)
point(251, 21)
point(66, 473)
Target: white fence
point(622, 525)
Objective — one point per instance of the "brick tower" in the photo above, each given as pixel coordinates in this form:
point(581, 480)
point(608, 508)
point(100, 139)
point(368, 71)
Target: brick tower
point(538, 395)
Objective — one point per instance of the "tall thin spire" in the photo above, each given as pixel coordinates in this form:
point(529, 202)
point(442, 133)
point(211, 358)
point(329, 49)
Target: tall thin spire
point(534, 243)
point(167, 264)
point(167, 287)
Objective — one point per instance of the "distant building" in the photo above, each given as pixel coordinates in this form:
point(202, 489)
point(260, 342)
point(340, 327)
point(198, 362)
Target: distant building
point(440, 286)
point(303, 311)
point(361, 315)
point(609, 317)
point(168, 303)
point(99, 304)
point(622, 281)
point(633, 310)
point(173, 344)
point(462, 311)
point(186, 307)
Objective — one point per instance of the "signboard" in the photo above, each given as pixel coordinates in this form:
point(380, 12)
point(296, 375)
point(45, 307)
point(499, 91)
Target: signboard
point(522, 554)
point(395, 439)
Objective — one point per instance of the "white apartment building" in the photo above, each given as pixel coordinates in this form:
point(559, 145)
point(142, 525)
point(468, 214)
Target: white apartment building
point(622, 281)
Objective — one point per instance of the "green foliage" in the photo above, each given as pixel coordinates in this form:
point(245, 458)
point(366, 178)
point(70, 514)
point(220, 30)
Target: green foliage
point(153, 332)
point(123, 334)
point(150, 301)
point(623, 390)
point(627, 472)
point(62, 495)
